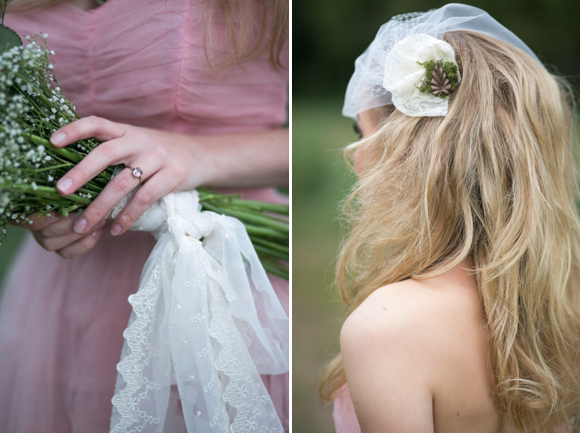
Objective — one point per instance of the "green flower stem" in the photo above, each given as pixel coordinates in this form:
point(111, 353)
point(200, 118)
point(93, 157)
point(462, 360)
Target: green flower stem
point(259, 206)
point(275, 268)
point(45, 192)
point(46, 101)
point(54, 167)
point(270, 252)
point(250, 211)
point(258, 219)
point(68, 153)
point(64, 212)
point(235, 199)
point(86, 190)
point(263, 231)
point(104, 176)
point(32, 101)
point(282, 209)
point(206, 194)
point(273, 245)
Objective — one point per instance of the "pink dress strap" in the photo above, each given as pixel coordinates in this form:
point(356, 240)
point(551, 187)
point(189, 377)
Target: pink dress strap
point(345, 420)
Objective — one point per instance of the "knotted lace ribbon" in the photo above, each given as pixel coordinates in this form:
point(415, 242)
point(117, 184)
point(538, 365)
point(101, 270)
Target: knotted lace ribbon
point(206, 319)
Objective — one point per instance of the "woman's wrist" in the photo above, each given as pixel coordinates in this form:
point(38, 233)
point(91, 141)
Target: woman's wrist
point(239, 160)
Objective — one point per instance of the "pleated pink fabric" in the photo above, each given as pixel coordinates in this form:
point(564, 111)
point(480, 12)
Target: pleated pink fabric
point(345, 420)
point(61, 321)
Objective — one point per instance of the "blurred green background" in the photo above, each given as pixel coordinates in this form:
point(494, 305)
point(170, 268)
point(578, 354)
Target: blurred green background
point(327, 37)
point(8, 250)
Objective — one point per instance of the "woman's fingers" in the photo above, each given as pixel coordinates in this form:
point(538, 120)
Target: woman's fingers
point(39, 222)
point(81, 246)
point(87, 127)
point(114, 150)
point(116, 189)
point(149, 193)
point(59, 242)
point(63, 226)
point(105, 154)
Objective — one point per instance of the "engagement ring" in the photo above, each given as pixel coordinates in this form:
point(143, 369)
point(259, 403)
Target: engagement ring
point(137, 173)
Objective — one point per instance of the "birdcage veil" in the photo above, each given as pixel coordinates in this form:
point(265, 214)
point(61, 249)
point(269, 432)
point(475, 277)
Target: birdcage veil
point(366, 87)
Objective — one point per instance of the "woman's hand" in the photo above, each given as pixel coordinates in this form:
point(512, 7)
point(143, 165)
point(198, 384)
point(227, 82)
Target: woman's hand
point(164, 164)
point(170, 162)
point(57, 234)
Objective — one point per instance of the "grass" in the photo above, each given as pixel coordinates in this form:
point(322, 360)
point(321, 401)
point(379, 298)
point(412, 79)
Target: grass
point(320, 180)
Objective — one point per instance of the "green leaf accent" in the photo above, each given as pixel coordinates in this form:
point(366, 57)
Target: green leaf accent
point(8, 39)
point(450, 70)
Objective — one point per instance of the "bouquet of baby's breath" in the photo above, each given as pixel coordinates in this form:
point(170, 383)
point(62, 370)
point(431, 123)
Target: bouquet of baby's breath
point(33, 106)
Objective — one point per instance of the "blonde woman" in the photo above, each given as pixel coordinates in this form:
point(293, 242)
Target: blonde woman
point(194, 93)
point(461, 272)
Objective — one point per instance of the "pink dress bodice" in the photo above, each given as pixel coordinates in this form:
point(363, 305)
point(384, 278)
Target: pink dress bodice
point(145, 63)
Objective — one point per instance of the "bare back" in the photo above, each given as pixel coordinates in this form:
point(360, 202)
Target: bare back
point(416, 357)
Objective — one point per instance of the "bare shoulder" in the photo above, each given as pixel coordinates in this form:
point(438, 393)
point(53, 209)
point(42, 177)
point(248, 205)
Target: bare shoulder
point(431, 312)
point(404, 346)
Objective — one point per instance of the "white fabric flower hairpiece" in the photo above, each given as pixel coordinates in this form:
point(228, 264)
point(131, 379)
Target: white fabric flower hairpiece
point(384, 75)
point(407, 78)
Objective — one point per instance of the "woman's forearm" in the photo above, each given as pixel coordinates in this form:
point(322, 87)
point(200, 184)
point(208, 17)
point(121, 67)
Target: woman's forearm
point(239, 160)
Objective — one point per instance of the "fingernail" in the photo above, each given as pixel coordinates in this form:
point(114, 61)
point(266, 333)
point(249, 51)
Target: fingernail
point(65, 184)
point(57, 138)
point(80, 225)
point(96, 233)
point(116, 229)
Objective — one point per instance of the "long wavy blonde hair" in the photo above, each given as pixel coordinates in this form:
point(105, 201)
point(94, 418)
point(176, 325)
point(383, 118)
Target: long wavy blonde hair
point(493, 181)
point(253, 27)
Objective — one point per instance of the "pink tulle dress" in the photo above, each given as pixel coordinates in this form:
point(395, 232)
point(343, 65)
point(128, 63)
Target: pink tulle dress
point(61, 321)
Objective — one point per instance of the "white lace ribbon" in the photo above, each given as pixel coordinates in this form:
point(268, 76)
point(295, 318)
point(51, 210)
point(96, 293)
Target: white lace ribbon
point(205, 318)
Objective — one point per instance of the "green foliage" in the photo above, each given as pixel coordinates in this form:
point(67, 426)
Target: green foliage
point(8, 39)
point(450, 70)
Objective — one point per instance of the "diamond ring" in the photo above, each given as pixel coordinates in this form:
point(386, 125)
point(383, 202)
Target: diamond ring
point(137, 173)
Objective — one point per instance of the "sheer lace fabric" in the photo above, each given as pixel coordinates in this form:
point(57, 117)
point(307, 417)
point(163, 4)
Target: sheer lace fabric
point(196, 323)
point(365, 89)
